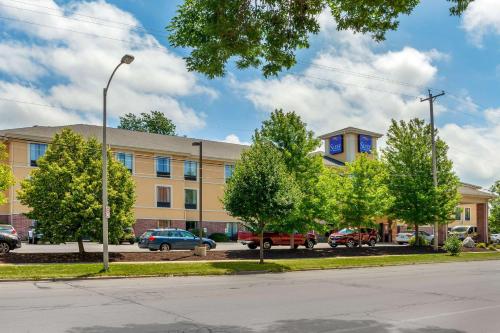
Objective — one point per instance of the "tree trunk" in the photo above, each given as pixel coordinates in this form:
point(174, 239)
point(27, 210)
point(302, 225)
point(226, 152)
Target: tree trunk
point(292, 241)
point(261, 261)
point(81, 249)
point(360, 239)
point(417, 243)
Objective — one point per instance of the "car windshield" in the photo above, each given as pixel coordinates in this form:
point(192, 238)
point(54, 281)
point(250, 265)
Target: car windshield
point(5, 228)
point(459, 229)
point(346, 231)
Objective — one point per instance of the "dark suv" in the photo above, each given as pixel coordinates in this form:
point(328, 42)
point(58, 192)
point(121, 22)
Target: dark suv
point(350, 237)
point(176, 239)
point(9, 240)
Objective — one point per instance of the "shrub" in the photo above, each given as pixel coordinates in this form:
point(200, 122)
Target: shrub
point(453, 246)
point(498, 246)
point(481, 245)
point(492, 247)
point(421, 241)
point(219, 237)
point(196, 232)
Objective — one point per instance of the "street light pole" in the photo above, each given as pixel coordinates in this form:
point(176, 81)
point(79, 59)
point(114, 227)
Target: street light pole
point(126, 59)
point(431, 99)
point(200, 161)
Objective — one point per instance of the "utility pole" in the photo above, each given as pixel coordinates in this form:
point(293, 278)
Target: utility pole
point(431, 99)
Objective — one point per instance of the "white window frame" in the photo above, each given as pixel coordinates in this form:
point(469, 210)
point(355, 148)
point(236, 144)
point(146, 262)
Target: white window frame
point(197, 198)
point(228, 164)
point(171, 168)
point(29, 151)
point(126, 152)
point(171, 196)
point(197, 170)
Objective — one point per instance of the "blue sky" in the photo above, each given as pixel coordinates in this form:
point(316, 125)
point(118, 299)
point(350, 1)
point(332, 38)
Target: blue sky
point(53, 69)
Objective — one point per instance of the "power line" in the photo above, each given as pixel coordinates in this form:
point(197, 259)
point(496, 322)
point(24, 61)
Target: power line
point(87, 16)
point(132, 27)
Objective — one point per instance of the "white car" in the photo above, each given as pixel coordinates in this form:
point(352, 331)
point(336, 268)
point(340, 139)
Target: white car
point(404, 237)
point(495, 238)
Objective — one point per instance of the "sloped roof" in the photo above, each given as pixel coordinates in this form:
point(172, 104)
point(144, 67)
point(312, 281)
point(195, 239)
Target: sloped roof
point(476, 191)
point(121, 138)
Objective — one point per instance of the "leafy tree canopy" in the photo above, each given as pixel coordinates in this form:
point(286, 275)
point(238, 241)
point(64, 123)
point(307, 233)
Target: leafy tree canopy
point(494, 218)
point(64, 192)
point(266, 33)
point(408, 157)
point(261, 193)
point(6, 177)
point(153, 122)
point(355, 196)
point(288, 133)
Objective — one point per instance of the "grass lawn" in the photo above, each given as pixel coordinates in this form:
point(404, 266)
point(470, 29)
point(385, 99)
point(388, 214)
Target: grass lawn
point(54, 271)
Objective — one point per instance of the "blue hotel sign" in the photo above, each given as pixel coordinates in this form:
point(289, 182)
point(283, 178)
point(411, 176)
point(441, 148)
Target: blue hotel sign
point(336, 144)
point(364, 144)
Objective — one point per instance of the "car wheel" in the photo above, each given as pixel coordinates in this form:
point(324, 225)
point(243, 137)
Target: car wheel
point(4, 248)
point(131, 242)
point(350, 243)
point(309, 244)
point(207, 246)
point(295, 247)
point(252, 246)
point(372, 242)
point(267, 244)
point(165, 247)
point(333, 245)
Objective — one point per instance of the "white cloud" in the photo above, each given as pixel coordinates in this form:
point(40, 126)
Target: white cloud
point(482, 17)
point(348, 85)
point(233, 138)
point(81, 64)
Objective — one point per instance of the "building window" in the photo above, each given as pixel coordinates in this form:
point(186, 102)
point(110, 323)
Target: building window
point(126, 159)
point(458, 214)
point(191, 225)
point(37, 150)
point(163, 224)
point(163, 196)
point(163, 166)
point(467, 214)
point(190, 198)
point(228, 171)
point(190, 170)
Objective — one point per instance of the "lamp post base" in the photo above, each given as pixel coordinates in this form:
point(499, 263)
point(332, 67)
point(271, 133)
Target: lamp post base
point(200, 251)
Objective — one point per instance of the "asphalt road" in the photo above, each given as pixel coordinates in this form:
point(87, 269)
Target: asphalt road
point(444, 298)
point(95, 247)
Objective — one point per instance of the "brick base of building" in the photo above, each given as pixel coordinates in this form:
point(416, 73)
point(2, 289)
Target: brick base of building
point(141, 225)
point(21, 223)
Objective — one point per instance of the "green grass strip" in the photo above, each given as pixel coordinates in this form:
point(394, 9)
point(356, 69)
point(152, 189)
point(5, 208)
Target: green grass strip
point(61, 271)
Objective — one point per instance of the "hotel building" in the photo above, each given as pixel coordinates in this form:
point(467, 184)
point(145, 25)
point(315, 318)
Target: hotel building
point(165, 170)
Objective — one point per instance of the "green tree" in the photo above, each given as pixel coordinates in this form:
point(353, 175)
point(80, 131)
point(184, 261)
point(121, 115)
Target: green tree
point(494, 218)
point(355, 196)
point(267, 33)
point(6, 176)
point(153, 122)
point(64, 192)
point(408, 157)
point(287, 132)
point(260, 192)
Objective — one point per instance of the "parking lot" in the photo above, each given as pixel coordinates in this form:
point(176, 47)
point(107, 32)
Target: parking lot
point(96, 247)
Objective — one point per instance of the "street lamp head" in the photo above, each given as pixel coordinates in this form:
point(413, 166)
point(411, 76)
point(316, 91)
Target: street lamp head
point(127, 59)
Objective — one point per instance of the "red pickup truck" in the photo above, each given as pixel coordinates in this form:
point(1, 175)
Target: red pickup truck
point(275, 238)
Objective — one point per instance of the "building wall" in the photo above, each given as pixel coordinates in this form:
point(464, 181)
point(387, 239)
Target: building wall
point(144, 175)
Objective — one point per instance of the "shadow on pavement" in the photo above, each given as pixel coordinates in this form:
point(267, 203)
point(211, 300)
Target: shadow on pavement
point(292, 326)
